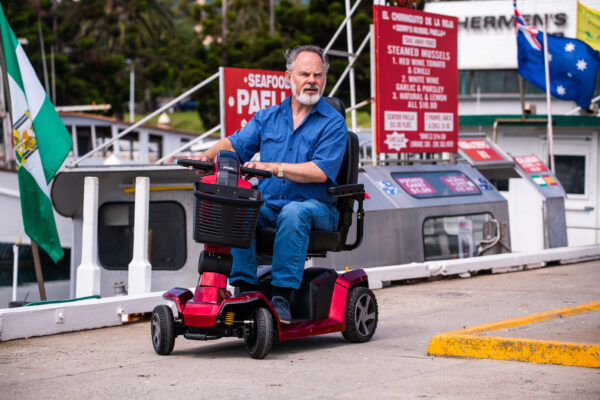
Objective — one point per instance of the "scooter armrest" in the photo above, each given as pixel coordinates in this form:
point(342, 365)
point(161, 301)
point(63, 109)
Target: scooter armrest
point(346, 190)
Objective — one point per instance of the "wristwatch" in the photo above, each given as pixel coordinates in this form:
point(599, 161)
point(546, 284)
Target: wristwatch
point(279, 170)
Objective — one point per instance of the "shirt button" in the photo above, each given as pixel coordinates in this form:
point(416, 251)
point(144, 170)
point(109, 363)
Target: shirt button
point(290, 149)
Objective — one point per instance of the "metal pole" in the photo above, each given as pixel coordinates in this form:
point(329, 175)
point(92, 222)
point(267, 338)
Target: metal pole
point(188, 144)
point(522, 90)
point(52, 51)
point(75, 140)
point(52, 75)
point(222, 100)
point(7, 123)
point(548, 102)
point(271, 18)
point(337, 33)
point(15, 268)
point(223, 31)
point(43, 49)
point(373, 108)
point(350, 64)
point(350, 59)
point(131, 92)
point(146, 118)
point(359, 105)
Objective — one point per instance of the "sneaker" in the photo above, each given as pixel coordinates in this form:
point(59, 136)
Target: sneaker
point(282, 308)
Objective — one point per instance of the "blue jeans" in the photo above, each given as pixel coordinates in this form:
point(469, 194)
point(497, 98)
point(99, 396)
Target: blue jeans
point(293, 224)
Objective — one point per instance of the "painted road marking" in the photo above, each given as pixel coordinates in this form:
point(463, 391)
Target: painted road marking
point(469, 342)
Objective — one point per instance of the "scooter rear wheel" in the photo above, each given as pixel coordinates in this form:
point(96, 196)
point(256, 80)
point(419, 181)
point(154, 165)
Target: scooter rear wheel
point(259, 336)
point(361, 315)
point(162, 330)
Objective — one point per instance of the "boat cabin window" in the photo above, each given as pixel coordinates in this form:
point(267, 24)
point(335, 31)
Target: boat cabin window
point(129, 146)
point(84, 139)
point(423, 185)
point(570, 171)
point(450, 237)
point(166, 235)
point(51, 271)
point(155, 150)
point(103, 134)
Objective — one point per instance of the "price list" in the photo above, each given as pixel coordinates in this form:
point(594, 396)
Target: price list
point(416, 81)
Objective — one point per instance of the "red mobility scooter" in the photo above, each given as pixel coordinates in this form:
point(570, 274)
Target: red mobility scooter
point(225, 216)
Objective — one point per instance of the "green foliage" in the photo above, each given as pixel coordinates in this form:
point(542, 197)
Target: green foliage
point(175, 44)
point(183, 120)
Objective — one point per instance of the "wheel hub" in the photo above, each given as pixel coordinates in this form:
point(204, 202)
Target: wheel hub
point(365, 314)
point(155, 330)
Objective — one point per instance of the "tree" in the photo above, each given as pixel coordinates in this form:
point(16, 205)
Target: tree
point(176, 44)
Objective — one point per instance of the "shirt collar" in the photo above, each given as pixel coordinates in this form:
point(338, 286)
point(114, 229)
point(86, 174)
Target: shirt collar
point(321, 107)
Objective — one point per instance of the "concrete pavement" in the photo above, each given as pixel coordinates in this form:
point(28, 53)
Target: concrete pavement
point(120, 362)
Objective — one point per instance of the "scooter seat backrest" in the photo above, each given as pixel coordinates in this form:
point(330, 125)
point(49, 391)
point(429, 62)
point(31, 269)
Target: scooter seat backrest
point(348, 172)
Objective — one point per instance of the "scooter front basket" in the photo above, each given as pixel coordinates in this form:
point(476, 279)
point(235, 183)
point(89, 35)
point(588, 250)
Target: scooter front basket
point(225, 215)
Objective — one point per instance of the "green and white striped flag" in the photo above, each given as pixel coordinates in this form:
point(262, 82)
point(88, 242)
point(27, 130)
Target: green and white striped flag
point(41, 143)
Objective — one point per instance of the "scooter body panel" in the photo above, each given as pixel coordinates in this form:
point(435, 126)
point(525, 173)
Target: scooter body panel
point(180, 296)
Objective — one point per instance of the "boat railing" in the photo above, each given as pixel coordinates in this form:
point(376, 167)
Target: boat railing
point(145, 119)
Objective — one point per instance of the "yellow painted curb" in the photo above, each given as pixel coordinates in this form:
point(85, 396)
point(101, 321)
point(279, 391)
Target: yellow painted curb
point(468, 342)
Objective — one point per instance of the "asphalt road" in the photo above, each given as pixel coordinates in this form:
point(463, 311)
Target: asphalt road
point(120, 362)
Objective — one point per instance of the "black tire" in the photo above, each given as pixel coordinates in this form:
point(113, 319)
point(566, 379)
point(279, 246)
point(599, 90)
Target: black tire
point(162, 330)
point(361, 315)
point(259, 337)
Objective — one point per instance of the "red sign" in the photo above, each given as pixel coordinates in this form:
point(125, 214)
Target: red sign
point(246, 91)
point(416, 185)
point(479, 150)
point(416, 81)
point(459, 184)
point(530, 163)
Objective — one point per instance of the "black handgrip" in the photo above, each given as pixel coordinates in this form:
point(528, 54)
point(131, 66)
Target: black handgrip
point(256, 172)
point(196, 164)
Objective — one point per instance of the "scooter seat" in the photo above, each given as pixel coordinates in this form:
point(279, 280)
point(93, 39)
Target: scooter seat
point(319, 244)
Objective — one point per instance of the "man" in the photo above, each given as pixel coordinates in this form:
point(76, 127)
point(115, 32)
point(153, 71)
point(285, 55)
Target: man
point(302, 142)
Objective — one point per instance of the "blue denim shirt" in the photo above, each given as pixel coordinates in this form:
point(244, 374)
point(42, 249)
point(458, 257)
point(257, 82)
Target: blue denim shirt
point(320, 138)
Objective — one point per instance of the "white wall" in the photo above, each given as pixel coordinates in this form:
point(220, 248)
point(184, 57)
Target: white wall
point(496, 48)
point(582, 211)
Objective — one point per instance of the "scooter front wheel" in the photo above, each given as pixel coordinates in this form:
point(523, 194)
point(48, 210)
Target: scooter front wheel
point(162, 330)
point(361, 315)
point(259, 336)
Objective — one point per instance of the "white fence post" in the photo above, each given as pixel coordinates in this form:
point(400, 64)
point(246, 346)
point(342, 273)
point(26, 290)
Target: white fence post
point(88, 272)
point(15, 268)
point(140, 270)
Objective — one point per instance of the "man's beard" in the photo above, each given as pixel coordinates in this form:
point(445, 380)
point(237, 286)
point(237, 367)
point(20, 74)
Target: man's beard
point(305, 98)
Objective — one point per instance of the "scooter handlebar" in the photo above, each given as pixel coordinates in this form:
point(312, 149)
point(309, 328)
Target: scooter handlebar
point(256, 172)
point(196, 164)
point(209, 166)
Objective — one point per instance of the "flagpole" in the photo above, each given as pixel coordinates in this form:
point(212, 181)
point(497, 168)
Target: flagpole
point(7, 100)
point(6, 93)
point(36, 257)
point(548, 102)
point(37, 264)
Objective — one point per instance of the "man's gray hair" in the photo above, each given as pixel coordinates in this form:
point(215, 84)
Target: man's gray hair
point(292, 54)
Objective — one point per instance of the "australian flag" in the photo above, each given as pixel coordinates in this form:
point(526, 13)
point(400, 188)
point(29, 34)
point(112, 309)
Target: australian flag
point(572, 63)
